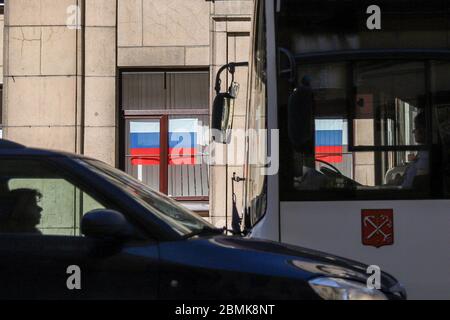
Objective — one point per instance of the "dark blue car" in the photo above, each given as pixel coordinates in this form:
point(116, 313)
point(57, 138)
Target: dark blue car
point(75, 228)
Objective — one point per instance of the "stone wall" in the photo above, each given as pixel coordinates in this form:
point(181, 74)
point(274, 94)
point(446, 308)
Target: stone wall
point(100, 113)
point(41, 75)
point(61, 84)
point(163, 33)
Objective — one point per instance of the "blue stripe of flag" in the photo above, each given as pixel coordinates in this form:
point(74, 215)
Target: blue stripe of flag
point(182, 139)
point(151, 140)
point(328, 137)
point(144, 140)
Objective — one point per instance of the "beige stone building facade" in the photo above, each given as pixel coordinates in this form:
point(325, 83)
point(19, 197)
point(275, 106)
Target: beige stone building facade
point(2, 23)
point(96, 76)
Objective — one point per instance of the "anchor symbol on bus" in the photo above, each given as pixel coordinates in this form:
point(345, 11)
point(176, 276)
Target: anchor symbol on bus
point(377, 227)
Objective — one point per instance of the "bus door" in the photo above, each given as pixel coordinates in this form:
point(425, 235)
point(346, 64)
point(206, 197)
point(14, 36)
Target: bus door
point(365, 136)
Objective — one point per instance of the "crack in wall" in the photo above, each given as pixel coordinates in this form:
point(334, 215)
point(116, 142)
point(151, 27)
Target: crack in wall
point(24, 39)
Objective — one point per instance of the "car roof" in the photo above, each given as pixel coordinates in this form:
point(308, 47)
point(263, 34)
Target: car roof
point(8, 147)
point(7, 144)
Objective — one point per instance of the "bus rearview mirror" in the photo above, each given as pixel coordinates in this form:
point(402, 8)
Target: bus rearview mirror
point(222, 116)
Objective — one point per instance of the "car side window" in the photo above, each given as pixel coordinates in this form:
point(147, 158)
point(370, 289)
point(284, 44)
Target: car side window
point(34, 198)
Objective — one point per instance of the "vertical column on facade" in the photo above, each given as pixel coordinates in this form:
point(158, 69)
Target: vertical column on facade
point(100, 120)
point(230, 33)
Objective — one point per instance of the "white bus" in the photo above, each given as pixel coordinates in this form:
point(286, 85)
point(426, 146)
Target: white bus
point(356, 100)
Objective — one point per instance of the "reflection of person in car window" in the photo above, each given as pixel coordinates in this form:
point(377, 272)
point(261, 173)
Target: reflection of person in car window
point(26, 214)
point(419, 167)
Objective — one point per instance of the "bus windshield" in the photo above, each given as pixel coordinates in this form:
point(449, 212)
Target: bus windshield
point(364, 99)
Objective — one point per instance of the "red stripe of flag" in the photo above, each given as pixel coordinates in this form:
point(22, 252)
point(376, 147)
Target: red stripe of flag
point(331, 154)
point(151, 156)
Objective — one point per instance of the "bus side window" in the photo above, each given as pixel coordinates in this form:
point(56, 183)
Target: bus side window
point(382, 143)
point(440, 78)
point(378, 124)
point(443, 122)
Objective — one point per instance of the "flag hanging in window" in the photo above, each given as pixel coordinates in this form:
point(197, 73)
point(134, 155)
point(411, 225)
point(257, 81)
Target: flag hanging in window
point(145, 142)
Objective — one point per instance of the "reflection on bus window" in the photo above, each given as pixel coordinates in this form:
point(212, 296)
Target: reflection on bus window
point(378, 140)
point(360, 116)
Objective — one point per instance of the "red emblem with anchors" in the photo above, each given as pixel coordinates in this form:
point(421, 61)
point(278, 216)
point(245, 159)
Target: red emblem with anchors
point(377, 227)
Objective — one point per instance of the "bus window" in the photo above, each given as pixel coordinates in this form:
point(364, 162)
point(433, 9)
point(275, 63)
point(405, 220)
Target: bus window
point(389, 116)
point(440, 95)
point(368, 115)
point(373, 139)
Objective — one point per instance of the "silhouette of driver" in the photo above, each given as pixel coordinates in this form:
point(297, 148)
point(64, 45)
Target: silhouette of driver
point(26, 214)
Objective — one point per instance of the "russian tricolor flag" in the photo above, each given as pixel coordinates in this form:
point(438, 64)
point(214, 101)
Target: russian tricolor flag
point(330, 139)
point(145, 142)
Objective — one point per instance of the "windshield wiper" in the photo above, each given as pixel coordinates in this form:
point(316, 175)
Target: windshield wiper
point(205, 231)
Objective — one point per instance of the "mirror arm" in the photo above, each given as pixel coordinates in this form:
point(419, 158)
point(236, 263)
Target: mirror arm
point(231, 67)
point(292, 66)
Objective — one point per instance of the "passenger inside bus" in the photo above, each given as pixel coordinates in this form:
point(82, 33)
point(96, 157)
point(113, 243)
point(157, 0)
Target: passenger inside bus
point(417, 172)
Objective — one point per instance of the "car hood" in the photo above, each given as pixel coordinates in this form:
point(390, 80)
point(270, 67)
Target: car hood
point(271, 258)
point(314, 262)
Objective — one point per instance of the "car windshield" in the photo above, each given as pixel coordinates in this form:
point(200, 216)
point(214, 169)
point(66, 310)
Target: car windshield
point(182, 220)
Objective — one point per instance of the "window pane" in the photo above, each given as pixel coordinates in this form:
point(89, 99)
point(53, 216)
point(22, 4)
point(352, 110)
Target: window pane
point(143, 91)
point(329, 83)
point(143, 151)
point(187, 169)
point(440, 84)
point(367, 171)
point(35, 199)
point(188, 90)
point(389, 95)
point(332, 144)
point(358, 128)
point(165, 90)
point(188, 156)
point(387, 123)
point(324, 25)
